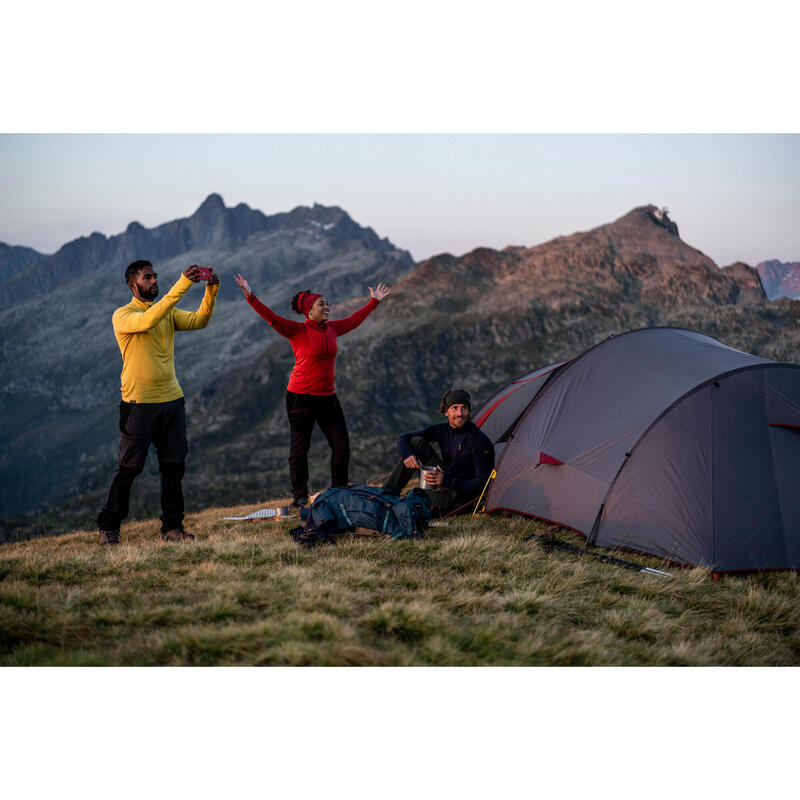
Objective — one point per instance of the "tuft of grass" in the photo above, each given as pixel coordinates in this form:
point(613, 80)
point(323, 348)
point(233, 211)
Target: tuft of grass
point(472, 593)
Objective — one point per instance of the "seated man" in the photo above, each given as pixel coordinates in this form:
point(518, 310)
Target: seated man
point(465, 465)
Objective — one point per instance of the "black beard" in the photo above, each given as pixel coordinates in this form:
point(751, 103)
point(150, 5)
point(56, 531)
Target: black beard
point(150, 294)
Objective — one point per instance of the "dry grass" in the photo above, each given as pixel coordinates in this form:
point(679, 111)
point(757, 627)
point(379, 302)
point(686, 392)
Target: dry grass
point(471, 593)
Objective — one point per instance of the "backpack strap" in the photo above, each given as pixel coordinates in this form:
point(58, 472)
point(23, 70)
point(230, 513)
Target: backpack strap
point(345, 515)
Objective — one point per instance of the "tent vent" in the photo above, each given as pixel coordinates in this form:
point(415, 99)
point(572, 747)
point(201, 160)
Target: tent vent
point(546, 459)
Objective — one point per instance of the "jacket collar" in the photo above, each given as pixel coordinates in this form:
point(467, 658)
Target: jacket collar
point(317, 326)
point(137, 303)
point(463, 429)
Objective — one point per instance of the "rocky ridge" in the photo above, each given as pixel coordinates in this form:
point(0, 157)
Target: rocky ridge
point(211, 224)
point(15, 259)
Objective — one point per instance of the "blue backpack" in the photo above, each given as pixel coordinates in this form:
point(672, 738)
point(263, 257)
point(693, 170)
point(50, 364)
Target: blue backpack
point(338, 511)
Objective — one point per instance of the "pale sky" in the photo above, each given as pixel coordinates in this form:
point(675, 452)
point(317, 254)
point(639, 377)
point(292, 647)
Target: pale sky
point(735, 197)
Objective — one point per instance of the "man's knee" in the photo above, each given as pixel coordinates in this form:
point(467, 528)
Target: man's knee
point(132, 453)
point(174, 448)
point(172, 469)
point(419, 443)
point(422, 449)
point(126, 472)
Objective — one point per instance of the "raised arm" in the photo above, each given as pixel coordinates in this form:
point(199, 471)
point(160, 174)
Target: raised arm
point(194, 320)
point(285, 327)
point(126, 320)
point(342, 326)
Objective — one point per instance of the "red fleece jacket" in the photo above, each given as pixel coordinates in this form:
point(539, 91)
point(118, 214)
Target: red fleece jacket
point(314, 345)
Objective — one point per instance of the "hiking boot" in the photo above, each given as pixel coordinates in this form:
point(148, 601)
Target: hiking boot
point(177, 535)
point(299, 502)
point(108, 537)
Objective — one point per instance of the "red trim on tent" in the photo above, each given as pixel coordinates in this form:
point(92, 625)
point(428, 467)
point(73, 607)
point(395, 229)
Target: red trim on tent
point(546, 459)
point(487, 413)
point(517, 384)
point(783, 425)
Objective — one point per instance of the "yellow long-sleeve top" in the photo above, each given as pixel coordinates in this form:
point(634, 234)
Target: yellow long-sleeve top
point(146, 333)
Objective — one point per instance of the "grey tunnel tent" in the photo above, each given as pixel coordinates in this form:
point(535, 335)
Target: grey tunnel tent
point(661, 440)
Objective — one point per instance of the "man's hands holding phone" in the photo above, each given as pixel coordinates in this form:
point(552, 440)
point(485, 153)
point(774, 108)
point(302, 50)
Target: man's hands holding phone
point(195, 274)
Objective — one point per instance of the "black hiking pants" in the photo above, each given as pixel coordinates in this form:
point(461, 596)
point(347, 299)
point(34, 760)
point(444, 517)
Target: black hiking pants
point(303, 411)
point(442, 500)
point(140, 425)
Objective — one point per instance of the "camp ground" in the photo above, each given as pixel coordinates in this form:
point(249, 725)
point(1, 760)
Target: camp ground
point(659, 440)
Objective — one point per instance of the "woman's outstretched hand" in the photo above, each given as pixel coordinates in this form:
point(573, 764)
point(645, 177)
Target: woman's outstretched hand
point(243, 284)
point(380, 291)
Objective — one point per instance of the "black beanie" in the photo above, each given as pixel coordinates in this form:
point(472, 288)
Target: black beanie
point(454, 397)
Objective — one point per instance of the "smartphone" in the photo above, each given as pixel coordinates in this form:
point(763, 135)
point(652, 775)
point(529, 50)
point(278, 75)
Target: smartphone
point(205, 273)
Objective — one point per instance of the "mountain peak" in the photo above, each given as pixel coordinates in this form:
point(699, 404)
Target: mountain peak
point(213, 202)
point(646, 217)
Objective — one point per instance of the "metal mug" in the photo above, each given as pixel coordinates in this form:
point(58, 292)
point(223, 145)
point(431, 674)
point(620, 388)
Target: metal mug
point(423, 483)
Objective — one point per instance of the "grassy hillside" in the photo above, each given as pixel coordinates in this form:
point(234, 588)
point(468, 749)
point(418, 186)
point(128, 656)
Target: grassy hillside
point(471, 593)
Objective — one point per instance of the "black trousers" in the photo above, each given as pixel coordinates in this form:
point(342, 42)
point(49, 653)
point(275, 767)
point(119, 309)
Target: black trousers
point(442, 500)
point(140, 425)
point(303, 411)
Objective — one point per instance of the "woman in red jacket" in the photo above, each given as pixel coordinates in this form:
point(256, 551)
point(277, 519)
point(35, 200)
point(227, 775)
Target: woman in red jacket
point(310, 395)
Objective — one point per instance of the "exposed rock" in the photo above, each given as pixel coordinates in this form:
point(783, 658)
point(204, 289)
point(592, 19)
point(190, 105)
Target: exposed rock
point(661, 217)
point(747, 281)
point(780, 279)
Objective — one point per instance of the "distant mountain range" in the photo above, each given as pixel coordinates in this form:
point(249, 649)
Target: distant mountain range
point(780, 278)
point(475, 321)
point(211, 225)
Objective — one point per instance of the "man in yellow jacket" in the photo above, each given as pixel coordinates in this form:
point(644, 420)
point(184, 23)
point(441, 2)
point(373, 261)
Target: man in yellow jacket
point(152, 407)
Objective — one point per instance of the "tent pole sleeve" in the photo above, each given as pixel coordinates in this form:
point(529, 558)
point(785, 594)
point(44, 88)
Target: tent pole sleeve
point(593, 532)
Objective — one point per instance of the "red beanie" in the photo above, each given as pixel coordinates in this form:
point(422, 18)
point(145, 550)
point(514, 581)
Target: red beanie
point(305, 301)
